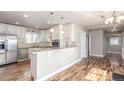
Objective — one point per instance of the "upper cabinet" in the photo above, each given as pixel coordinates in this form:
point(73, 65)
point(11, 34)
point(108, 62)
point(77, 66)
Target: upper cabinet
point(55, 33)
point(3, 28)
point(48, 35)
point(45, 35)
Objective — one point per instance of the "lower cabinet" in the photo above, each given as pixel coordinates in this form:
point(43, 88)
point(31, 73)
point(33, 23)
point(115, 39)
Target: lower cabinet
point(22, 54)
point(2, 58)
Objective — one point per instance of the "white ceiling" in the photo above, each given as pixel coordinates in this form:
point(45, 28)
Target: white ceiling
point(89, 20)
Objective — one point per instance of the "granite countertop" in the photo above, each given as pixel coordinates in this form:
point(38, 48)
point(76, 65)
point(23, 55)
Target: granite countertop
point(34, 47)
point(47, 49)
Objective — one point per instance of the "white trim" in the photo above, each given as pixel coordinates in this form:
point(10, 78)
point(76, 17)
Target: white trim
point(113, 52)
point(97, 55)
point(59, 70)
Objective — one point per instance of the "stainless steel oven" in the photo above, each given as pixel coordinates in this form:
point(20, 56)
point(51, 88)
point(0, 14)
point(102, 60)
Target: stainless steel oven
point(56, 43)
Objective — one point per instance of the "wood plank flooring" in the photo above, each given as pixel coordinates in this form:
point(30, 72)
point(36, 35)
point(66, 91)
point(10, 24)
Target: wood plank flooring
point(16, 72)
point(80, 71)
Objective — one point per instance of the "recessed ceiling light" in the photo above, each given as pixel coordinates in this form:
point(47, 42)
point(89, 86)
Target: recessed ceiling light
point(62, 17)
point(26, 16)
point(17, 23)
point(51, 13)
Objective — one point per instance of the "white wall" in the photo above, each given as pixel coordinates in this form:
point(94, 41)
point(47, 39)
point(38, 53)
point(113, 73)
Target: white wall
point(97, 43)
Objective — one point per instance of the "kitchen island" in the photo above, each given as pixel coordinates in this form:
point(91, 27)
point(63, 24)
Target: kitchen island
point(48, 62)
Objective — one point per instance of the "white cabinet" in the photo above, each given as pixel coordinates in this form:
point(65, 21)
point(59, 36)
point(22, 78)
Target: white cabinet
point(45, 35)
point(2, 58)
point(48, 36)
point(69, 34)
point(11, 29)
point(21, 33)
point(56, 32)
point(3, 28)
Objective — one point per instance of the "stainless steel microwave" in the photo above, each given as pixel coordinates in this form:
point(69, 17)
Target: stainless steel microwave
point(56, 43)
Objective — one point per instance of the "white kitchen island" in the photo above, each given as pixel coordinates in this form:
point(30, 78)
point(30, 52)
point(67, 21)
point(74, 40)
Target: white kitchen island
point(47, 63)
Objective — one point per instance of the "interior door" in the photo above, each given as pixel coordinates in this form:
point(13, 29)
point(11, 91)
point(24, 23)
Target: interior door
point(83, 44)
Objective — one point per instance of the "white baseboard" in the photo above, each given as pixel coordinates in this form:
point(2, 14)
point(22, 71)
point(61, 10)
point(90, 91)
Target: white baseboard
point(61, 69)
point(97, 55)
point(113, 52)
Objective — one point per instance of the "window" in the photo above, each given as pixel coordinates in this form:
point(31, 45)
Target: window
point(114, 41)
point(32, 37)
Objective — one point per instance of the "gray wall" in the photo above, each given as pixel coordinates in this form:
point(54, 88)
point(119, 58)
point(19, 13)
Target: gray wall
point(96, 43)
point(104, 44)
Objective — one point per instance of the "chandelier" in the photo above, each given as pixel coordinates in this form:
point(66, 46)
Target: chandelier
point(114, 19)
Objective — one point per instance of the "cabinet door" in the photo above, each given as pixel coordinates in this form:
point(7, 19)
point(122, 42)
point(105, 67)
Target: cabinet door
point(22, 54)
point(2, 58)
point(43, 36)
point(48, 38)
point(56, 33)
point(2, 28)
point(11, 30)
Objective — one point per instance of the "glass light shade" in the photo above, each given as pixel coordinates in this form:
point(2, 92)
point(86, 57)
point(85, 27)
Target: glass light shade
point(51, 30)
point(109, 20)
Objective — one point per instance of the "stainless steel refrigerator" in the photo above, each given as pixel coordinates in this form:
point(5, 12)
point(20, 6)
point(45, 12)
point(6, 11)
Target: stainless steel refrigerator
point(8, 49)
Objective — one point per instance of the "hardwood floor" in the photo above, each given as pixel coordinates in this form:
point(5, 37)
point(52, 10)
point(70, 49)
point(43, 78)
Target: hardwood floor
point(91, 69)
point(16, 72)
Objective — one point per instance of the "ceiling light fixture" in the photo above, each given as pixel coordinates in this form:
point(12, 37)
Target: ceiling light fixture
point(26, 16)
point(114, 20)
point(51, 13)
point(51, 30)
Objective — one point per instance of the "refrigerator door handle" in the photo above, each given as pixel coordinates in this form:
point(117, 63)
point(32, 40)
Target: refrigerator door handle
point(6, 45)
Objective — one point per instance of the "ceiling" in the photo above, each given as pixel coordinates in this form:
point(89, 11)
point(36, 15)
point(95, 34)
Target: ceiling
point(44, 19)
